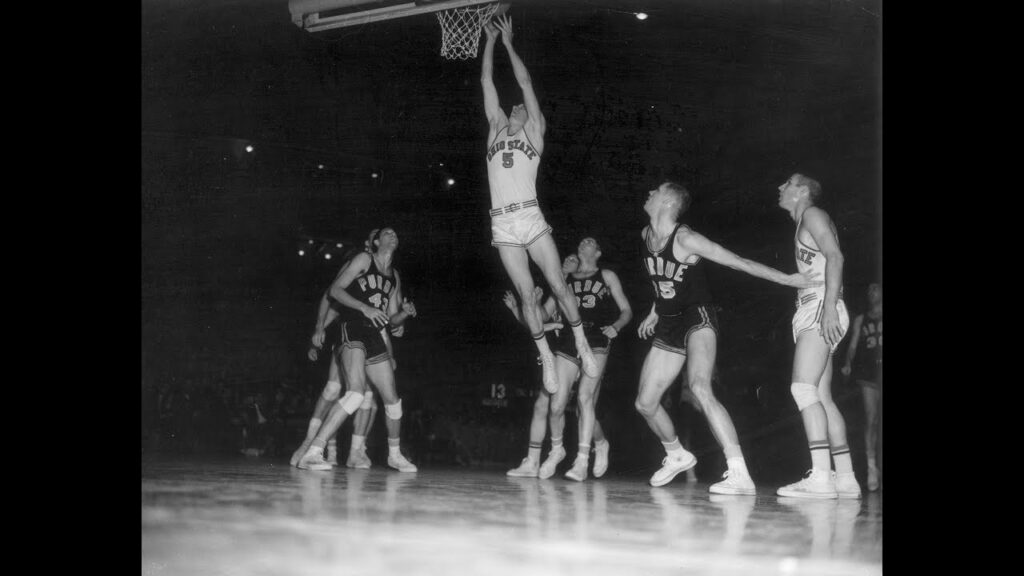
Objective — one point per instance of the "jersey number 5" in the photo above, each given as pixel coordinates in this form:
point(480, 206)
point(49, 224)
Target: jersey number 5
point(665, 289)
point(506, 159)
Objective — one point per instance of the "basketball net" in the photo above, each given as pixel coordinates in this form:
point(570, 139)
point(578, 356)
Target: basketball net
point(460, 30)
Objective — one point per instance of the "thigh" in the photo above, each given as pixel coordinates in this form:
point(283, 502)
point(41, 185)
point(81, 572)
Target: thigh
point(544, 252)
point(383, 379)
point(660, 369)
point(517, 265)
point(590, 384)
point(353, 361)
point(701, 350)
point(810, 357)
point(566, 372)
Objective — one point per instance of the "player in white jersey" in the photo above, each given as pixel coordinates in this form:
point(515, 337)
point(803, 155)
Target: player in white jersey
point(819, 324)
point(515, 144)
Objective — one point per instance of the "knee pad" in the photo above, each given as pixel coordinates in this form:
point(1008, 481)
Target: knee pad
point(367, 400)
point(804, 394)
point(351, 402)
point(394, 411)
point(331, 391)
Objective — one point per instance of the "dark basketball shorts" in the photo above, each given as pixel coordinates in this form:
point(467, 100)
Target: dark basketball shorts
point(867, 375)
point(672, 332)
point(565, 344)
point(361, 335)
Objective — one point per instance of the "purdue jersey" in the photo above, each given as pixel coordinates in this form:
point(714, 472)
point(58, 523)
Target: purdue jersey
point(810, 260)
point(677, 285)
point(594, 300)
point(512, 164)
point(869, 350)
point(372, 288)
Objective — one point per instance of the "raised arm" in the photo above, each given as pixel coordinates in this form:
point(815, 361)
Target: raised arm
point(611, 279)
point(524, 80)
point(359, 264)
point(819, 225)
point(695, 243)
point(492, 108)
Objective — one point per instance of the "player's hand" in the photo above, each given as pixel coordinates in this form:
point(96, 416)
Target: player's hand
point(549, 326)
point(491, 30)
point(504, 23)
point(313, 354)
point(845, 370)
point(538, 294)
point(318, 339)
point(831, 330)
point(510, 300)
point(408, 307)
point(398, 331)
point(376, 315)
point(647, 326)
point(610, 331)
point(809, 279)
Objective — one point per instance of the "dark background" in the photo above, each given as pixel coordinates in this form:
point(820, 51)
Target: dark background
point(728, 97)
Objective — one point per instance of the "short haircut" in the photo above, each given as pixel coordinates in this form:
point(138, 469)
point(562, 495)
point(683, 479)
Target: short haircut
point(813, 186)
point(681, 193)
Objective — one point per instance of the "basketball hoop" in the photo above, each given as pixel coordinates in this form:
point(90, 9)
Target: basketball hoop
point(460, 30)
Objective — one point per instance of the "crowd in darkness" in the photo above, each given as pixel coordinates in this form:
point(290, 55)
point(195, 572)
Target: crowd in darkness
point(268, 420)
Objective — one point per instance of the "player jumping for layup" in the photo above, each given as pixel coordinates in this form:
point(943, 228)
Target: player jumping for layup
point(514, 147)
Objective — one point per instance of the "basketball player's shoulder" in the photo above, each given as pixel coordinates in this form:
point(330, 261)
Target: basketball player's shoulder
point(684, 233)
point(361, 261)
point(815, 214)
point(645, 231)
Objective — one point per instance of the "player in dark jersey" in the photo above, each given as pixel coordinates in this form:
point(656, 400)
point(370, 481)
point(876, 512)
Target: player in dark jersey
point(819, 324)
point(369, 290)
point(542, 406)
point(685, 326)
point(605, 312)
point(864, 364)
point(515, 144)
point(326, 328)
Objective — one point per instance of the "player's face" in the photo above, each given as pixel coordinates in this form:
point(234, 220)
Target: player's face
point(519, 114)
point(588, 248)
point(654, 199)
point(875, 293)
point(570, 264)
point(388, 239)
point(789, 192)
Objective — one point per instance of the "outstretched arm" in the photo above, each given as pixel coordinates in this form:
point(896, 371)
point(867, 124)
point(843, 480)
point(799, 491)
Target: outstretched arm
point(492, 108)
point(523, 78)
point(696, 243)
point(824, 233)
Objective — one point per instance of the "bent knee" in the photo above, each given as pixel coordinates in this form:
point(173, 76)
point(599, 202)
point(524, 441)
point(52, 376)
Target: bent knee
point(645, 408)
point(805, 395)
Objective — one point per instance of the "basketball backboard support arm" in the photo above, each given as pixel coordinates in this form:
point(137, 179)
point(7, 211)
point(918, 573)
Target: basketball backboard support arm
point(320, 15)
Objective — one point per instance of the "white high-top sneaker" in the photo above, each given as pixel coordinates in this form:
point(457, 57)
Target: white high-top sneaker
point(671, 467)
point(816, 484)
